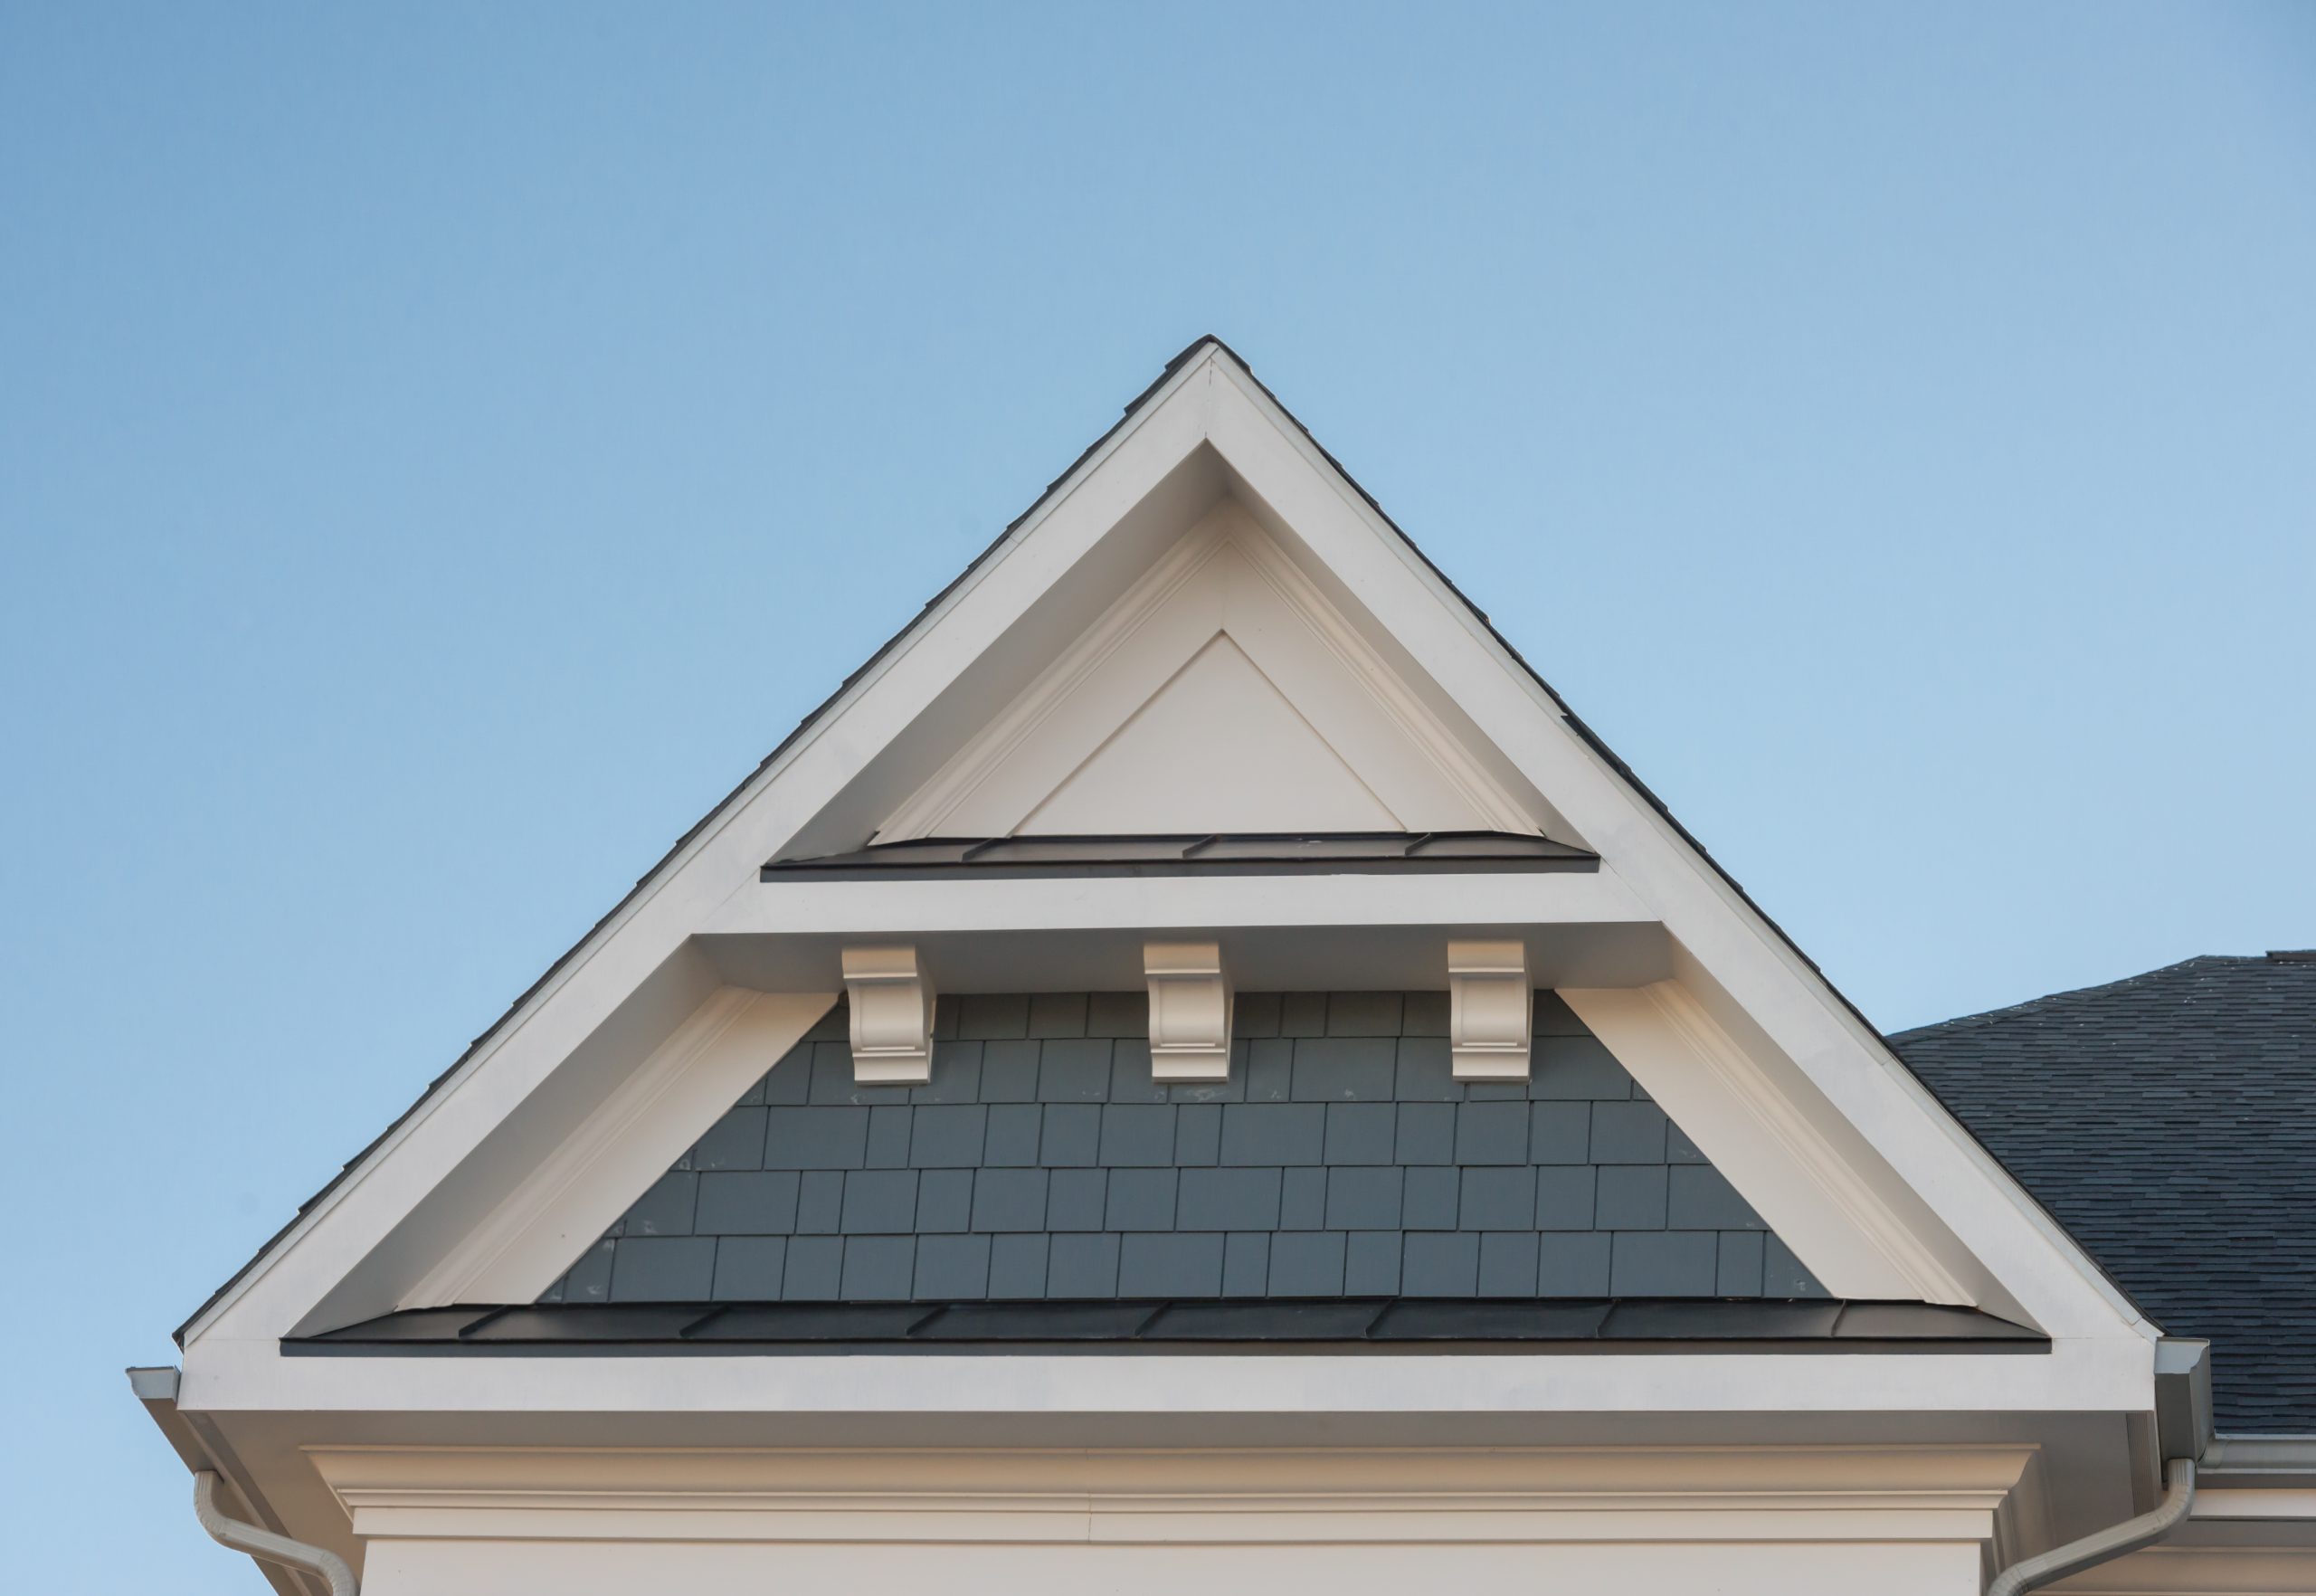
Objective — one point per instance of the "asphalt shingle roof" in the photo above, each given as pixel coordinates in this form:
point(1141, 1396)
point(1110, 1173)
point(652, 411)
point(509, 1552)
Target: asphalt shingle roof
point(2168, 1121)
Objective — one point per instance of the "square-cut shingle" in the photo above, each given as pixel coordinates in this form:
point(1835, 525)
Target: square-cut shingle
point(1013, 1131)
point(1228, 1199)
point(1170, 1264)
point(1361, 1132)
point(1364, 1198)
point(1012, 1200)
point(879, 1269)
point(1082, 1264)
point(1507, 1263)
point(945, 1200)
point(888, 1128)
point(1629, 1197)
point(733, 1142)
point(1559, 1132)
point(1699, 1197)
point(947, 1135)
point(1076, 1199)
point(1137, 1134)
point(817, 1138)
point(667, 1207)
point(1498, 1198)
point(1017, 1266)
point(1075, 1071)
point(1140, 1199)
point(1306, 1263)
point(1072, 1135)
point(1371, 1263)
point(1628, 1133)
point(1303, 1198)
point(751, 1202)
point(820, 1201)
point(1664, 1263)
point(664, 1269)
point(880, 1201)
point(1365, 1013)
point(1570, 1067)
point(1246, 1263)
point(1564, 1197)
point(1437, 1263)
point(951, 1269)
point(748, 1268)
point(815, 1271)
point(1274, 1133)
point(1344, 1069)
point(1428, 1199)
point(1738, 1272)
point(1057, 1013)
point(1492, 1133)
point(1008, 1072)
point(1573, 1264)
point(1198, 1133)
point(1425, 1071)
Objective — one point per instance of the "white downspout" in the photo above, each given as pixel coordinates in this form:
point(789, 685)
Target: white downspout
point(2179, 1495)
point(264, 1543)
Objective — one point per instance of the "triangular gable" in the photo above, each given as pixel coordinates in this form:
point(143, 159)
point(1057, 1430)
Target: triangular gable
point(546, 1130)
point(1043, 1162)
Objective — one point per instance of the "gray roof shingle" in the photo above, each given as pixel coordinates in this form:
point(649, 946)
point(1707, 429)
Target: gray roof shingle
point(2168, 1122)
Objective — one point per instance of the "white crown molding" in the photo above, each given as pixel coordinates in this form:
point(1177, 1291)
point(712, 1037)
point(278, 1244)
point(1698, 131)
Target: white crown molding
point(1969, 1492)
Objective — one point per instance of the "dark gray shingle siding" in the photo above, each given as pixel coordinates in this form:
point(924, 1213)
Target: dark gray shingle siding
point(2168, 1122)
point(1043, 1161)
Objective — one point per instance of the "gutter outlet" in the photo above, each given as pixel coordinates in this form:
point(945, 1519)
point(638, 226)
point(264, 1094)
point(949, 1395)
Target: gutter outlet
point(264, 1544)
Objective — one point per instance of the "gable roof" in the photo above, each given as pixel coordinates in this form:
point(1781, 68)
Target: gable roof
point(2168, 1122)
point(1857, 1122)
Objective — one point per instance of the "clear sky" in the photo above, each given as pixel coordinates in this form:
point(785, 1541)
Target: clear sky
point(442, 448)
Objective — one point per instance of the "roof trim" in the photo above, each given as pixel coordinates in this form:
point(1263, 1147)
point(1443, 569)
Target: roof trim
point(1340, 1325)
point(1265, 853)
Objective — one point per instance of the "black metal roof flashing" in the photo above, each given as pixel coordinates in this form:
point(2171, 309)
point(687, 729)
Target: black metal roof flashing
point(1256, 853)
point(1179, 1326)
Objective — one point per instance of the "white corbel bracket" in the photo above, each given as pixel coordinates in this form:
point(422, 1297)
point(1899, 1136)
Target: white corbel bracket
point(1189, 1010)
point(1490, 1008)
point(892, 1016)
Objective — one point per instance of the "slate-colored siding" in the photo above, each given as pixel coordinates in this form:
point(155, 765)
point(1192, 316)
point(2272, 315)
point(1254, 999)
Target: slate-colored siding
point(1340, 1159)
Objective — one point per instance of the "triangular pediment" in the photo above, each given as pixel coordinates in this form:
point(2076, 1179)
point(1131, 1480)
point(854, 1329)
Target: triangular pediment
point(1218, 748)
point(1222, 691)
point(1205, 627)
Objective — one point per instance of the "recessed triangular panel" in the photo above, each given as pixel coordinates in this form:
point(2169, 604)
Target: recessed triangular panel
point(1044, 1162)
point(1218, 748)
point(1223, 692)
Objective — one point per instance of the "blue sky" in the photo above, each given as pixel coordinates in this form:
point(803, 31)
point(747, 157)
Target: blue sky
point(442, 448)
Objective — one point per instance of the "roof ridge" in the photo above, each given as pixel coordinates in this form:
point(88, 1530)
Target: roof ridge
point(2050, 999)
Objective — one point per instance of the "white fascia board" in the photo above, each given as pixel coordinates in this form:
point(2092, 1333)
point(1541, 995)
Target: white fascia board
point(1169, 903)
point(1993, 1219)
point(2108, 1376)
point(643, 939)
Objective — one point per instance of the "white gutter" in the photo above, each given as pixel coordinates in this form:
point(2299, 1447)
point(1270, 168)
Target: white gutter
point(264, 1543)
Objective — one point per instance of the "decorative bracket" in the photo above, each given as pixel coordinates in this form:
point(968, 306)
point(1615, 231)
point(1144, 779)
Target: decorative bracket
point(1189, 1010)
point(892, 1016)
point(1490, 1008)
